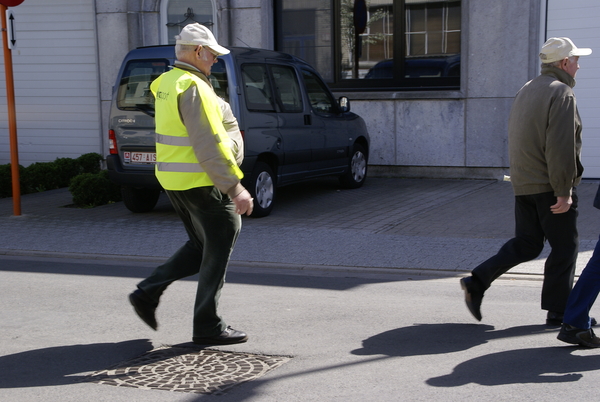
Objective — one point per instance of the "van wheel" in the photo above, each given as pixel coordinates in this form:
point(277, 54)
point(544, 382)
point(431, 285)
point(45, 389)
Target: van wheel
point(262, 188)
point(356, 174)
point(139, 199)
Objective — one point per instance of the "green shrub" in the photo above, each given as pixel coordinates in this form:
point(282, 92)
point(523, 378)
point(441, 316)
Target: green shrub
point(40, 176)
point(90, 163)
point(90, 190)
point(66, 169)
point(6, 180)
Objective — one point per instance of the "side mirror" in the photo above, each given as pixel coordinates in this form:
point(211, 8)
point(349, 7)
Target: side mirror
point(344, 103)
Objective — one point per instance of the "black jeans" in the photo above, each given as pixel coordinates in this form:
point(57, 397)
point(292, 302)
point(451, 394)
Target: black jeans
point(213, 226)
point(534, 223)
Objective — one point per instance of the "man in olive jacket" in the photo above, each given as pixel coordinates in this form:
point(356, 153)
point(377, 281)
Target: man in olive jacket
point(544, 135)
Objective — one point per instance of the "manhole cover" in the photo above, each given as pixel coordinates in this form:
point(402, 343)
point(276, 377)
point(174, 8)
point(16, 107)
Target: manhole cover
point(184, 369)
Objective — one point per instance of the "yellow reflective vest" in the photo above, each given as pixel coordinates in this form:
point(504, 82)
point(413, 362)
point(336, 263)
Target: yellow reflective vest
point(177, 167)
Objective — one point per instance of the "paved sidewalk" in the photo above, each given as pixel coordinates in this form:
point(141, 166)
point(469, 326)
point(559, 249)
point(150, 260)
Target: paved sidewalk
point(446, 226)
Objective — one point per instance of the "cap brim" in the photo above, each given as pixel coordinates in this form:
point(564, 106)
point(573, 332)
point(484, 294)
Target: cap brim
point(219, 50)
point(582, 52)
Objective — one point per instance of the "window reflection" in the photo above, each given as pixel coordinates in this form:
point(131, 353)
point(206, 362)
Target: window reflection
point(405, 42)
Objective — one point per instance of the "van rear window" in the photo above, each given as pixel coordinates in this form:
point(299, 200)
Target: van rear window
point(134, 89)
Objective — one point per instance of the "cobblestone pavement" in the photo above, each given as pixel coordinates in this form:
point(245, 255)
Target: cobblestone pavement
point(416, 224)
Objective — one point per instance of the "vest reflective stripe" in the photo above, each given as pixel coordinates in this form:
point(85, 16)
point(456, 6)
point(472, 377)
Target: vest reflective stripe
point(177, 167)
point(175, 141)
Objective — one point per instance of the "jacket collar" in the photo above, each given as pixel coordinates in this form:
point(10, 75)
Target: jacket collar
point(559, 74)
point(191, 69)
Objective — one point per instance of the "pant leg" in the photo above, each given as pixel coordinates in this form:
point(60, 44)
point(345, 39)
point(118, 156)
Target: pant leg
point(216, 227)
point(185, 262)
point(584, 293)
point(527, 244)
point(559, 269)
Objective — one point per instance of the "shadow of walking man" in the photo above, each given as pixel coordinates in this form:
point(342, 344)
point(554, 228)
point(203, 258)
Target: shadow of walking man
point(430, 339)
point(62, 365)
point(522, 366)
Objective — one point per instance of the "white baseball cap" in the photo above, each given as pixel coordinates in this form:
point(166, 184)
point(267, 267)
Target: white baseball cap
point(556, 49)
point(196, 34)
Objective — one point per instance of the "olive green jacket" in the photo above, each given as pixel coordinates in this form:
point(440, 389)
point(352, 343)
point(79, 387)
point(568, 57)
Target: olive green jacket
point(544, 136)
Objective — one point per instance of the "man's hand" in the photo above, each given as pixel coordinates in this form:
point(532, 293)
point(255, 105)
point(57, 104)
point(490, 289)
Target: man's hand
point(563, 204)
point(244, 203)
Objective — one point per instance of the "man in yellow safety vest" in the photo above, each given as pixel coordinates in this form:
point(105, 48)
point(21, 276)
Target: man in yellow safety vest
point(198, 151)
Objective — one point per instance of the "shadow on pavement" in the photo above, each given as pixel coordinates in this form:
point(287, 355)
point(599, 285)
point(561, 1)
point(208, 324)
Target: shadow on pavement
point(63, 365)
point(522, 366)
point(431, 339)
point(286, 278)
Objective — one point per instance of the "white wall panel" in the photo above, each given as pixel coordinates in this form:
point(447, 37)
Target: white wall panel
point(55, 68)
point(578, 20)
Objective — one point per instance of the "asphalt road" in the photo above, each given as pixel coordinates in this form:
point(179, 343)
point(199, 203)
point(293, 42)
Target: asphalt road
point(347, 336)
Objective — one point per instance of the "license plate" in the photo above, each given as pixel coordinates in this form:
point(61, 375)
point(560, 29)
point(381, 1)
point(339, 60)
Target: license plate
point(139, 157)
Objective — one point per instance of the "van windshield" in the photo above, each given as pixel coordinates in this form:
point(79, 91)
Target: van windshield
point(134, 89)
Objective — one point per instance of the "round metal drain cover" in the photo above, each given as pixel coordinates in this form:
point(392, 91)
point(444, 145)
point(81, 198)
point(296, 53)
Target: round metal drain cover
point(183, 369)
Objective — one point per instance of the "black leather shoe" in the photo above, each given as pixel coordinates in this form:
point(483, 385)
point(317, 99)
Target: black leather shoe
point(473, 296)
point(143, 308)
point(554, 319)
point(227, 337)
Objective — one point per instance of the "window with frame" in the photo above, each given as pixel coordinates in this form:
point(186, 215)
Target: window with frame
point(134, 89)
point(178, 13)
point(375, 44)
point(287, 89)
point(257, 88)
point(320, 98)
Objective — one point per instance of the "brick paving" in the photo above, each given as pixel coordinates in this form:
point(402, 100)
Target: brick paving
point(417, 224)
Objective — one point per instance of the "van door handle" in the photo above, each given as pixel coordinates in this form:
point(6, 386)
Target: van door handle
point(307, 120)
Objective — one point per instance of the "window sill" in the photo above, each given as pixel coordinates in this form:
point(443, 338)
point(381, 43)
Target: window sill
point(392, 95)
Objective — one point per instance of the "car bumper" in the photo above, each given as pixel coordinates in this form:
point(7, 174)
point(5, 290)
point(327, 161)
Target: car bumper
point(134, 178)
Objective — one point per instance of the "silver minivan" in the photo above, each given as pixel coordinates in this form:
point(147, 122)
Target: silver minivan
point(293, 127)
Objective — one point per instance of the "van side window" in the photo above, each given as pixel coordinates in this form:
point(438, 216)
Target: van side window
point(134, 89)
point(218, 79)
point(287, 89)
point(320, 98)
point(257, 89)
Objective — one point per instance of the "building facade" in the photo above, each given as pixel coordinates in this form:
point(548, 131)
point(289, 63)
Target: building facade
point(433, 79)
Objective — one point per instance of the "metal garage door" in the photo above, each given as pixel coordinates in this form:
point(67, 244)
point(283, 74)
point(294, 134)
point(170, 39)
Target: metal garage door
point(56, 81)
point(578, 20)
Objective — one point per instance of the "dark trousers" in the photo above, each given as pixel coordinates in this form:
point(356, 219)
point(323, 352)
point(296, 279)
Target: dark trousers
point(213, 226)
point(584, 293)
point(534, 223)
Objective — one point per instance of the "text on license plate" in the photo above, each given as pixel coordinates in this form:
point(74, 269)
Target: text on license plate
point(139, 157)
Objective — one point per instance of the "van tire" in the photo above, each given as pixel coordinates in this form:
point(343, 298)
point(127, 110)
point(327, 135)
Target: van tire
point(139, 200)
point(262, 188)
point(356, 174)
